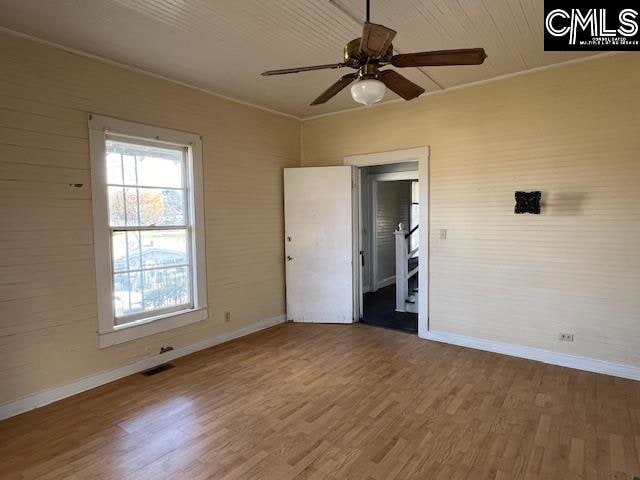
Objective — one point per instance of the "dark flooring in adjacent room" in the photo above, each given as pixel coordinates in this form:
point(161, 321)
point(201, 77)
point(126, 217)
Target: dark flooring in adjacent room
point(380, 311)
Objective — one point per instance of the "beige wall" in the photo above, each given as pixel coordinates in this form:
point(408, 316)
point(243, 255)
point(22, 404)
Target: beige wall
point(572, 132)
point(47, 281)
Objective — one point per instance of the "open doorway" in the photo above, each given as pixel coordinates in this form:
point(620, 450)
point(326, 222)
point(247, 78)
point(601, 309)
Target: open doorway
point(389, 218)
point(323, 241)
point(416, 156)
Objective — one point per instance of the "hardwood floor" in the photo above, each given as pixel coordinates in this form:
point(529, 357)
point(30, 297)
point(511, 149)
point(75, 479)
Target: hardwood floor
point(336, 402)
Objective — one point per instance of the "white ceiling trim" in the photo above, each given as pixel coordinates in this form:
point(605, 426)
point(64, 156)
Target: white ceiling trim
point(142, 71)
point(473, 84)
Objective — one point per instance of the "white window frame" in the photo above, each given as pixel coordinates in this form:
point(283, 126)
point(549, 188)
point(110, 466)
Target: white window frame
point(108, 332)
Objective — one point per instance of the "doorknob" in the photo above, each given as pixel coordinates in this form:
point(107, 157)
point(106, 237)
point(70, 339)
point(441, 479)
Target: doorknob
point(289, 257)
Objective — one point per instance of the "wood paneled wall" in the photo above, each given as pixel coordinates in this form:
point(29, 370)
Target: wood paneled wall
point(47, 281)
point(393, 207)
point(573, 132)
point(570, 131)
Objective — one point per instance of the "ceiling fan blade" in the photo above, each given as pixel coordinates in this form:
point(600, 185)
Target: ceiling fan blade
point(400, 85)
point(465, 56)
point(335, 88)
point(303, 69)
point(376, 39)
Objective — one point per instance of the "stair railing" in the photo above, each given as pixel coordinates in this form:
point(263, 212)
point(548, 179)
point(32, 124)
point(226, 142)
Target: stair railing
point(403, 274)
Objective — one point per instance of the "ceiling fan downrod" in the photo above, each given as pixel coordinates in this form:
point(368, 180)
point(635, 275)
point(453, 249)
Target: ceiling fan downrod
point(374, 50)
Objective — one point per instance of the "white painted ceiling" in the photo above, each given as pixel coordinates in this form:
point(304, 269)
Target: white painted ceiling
point(223, 45)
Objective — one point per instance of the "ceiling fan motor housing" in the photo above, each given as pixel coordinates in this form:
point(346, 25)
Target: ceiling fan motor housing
point(374, 50)
point(354, 57)
point(352, 53)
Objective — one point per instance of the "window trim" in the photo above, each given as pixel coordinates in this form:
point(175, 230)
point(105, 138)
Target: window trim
point(108, 332)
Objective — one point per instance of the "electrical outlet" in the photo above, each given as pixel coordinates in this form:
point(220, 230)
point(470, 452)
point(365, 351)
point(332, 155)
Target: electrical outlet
point(566, 337)
point(227, 316)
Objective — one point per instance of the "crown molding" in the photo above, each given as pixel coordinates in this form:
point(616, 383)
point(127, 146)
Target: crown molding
point(132, 68)
point(304, 118)
point(472, 84)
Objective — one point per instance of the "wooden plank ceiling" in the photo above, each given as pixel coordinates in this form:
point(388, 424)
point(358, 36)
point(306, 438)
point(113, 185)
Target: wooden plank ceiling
point(223, 45)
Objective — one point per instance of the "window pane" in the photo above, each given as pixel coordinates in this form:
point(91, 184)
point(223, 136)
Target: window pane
point(150, 290)
point(117, 217)
point(126, 294)
point(166, 287)
point(144, 165)
point(114, 169)
point(160, 172)
point(149, 249)
point(145, 207)
point(415, 212)
point(125, 250)
point(130, 175)
point(415, 192)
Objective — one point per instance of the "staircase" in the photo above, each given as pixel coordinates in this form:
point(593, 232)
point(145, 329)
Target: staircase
point(406, 271)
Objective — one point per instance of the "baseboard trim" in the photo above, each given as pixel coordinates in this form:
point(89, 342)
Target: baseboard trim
point(545, 356)
point(40, 399)
point(385, 282)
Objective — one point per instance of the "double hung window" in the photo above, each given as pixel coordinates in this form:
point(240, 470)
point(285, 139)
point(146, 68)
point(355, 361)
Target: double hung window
point(148, 228)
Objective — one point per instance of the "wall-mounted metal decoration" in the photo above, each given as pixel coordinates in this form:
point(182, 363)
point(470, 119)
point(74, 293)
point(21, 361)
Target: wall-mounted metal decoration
point(528, 202)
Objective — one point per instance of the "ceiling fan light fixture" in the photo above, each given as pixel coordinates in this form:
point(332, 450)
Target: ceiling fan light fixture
point(368, 91)
point(374, 49)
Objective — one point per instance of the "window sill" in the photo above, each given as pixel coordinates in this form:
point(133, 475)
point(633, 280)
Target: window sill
point(126, 333)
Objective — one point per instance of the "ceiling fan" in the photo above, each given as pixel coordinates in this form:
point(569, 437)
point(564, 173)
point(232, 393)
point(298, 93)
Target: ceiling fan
point(374, 50)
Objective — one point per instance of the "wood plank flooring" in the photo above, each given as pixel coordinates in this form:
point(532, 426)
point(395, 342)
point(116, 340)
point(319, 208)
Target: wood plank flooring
point(336, 402)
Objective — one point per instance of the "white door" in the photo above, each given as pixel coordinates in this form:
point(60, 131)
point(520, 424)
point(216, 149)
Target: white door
point(319, 247)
